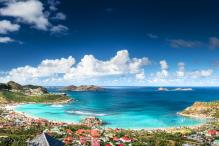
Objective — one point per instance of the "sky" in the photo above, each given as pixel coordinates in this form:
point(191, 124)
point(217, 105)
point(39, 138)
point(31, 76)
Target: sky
point(110, 42)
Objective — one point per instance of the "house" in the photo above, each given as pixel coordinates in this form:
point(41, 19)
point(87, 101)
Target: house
point(44, 140)
point(126, 139)
point(115, 139)
point(69, 132)
point(68, 140)
point(212, 133)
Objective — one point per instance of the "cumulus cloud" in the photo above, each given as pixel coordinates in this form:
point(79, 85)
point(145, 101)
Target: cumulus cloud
point(30, 12)
point(33, 13)
point(47, 68)
point(120, 64)
point(180, 43)
point(213, 42)
point(201, 73)
point(181, 70)
point(89, 67)
point(6, 40)
point(164, 70)
point(6, 26)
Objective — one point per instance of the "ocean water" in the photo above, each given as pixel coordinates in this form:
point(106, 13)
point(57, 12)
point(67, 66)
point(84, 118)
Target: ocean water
point(126, 107)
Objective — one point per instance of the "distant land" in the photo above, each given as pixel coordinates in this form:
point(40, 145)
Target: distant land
point(13, 92)
point(82, 88)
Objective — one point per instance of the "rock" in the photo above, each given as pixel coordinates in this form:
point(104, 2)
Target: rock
point(4, 86)
point(83, 88)
point(92, 122)
point(14, 86)
point(34, 90)
point(162, 89)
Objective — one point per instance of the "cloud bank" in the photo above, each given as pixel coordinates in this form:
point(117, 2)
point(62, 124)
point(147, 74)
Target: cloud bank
point(121, 69)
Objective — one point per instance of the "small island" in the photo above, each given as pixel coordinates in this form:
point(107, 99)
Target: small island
point(13, 92)
point(83, 88)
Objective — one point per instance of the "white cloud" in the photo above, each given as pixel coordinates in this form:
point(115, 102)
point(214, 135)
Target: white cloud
point(6, 40)
point(47, 68)
point(181, 70)
point(59, 16)
point(59, 29)
point(30, 12)
point(164, 70)
point(121, 64)
point(201, 73)
point(65, 69)
point(6, 26)
point(53, 4)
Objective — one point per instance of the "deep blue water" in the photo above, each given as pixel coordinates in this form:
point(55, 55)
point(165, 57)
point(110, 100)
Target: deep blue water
point(126, 107)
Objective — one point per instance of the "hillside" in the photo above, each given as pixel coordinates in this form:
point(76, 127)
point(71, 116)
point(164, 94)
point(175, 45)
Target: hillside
point(13, 92)
point(83, 88)
point(203, 110)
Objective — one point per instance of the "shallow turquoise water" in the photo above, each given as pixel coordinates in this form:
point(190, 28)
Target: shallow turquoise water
point(122, 107)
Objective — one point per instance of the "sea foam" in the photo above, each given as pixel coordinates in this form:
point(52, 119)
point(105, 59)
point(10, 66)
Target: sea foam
point(86, 113)
point(57, 105)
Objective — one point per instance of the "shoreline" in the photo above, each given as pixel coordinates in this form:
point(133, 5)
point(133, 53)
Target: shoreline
point(12, 107)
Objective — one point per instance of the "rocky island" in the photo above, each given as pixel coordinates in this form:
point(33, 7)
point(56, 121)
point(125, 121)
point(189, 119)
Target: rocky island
point(202, 110)
point(83, 88)
point(13, 92)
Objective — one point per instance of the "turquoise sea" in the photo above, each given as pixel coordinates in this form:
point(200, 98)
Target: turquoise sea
point(126, 107)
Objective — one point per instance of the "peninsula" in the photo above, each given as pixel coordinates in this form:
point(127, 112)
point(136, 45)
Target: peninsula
point(202, 110)
point(13, 92)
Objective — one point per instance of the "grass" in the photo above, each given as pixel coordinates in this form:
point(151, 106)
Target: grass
point(11, 97)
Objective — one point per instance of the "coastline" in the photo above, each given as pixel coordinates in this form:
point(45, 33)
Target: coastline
point(12, 107)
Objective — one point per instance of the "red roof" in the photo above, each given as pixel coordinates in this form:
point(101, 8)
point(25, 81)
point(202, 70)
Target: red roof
point(69, 138)
point(212, 132)
point(95, 133)
point(115, 139)
point(68, 131)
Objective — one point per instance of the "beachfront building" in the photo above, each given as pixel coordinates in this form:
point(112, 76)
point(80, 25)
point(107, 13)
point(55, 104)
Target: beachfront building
point(44, 140)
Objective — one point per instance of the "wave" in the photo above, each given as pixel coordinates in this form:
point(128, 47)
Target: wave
point(57, 105)
point(86, 113)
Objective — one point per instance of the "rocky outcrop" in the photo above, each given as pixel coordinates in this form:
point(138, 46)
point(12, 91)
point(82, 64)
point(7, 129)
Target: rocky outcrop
point(34, 90)
point(83, 88)
point(162, 89)
point(92, 122)
point(14, 86)
point(30, 90)
point(202, 110)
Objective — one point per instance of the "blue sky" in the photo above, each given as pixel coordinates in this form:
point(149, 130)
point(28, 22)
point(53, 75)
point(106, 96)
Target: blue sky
point(110, 42)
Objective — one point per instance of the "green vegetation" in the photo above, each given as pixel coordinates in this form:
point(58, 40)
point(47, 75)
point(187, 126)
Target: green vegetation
point(18, 97)
point(216, 115)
